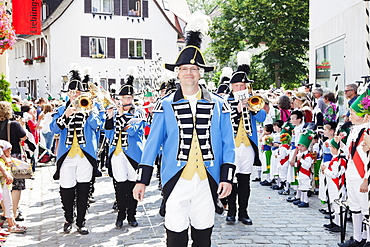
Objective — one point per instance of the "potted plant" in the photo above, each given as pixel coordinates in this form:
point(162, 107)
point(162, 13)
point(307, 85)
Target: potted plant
point(28, 61)
point(39, 59)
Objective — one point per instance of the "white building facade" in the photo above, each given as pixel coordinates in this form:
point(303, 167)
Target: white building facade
point(107, 35)
point(338, 39)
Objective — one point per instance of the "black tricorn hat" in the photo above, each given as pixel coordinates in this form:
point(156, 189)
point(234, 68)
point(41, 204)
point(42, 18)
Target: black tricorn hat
point(75, 82)
point(127, 88)
point(223, 88)
point(191, 54)
point(241, 74)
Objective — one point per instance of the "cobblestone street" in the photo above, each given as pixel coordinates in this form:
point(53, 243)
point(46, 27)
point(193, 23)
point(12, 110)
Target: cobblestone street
point(275, 222)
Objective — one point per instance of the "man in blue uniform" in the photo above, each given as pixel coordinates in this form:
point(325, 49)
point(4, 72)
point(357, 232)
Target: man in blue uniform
point(194, 128)
point(76, 159)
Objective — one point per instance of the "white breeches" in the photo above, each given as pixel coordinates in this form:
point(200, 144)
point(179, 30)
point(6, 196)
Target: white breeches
point(75, 170)
point(190, 202)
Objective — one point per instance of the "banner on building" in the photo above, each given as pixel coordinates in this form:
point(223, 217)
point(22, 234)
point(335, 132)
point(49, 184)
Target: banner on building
point(27, 16)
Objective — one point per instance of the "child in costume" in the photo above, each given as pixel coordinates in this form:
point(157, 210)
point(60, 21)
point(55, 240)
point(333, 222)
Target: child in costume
point(329, 129)
point(304, 163)
point(356, 173)
point(336, 177)
point(283, 158)
point(275, 165)
point(267, 141)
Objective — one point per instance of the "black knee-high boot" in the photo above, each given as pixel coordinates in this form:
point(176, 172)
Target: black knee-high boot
point(121, 191)
point(131, 202)
point(201, 238)
point(177, 239)
point(82, 195)
point(68, 199)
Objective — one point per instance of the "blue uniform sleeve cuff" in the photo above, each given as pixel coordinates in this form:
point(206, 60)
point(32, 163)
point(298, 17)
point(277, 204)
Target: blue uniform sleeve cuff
point(144, 173)
point(227, 173)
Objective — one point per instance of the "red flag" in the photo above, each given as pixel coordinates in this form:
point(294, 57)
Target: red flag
point(27, 16)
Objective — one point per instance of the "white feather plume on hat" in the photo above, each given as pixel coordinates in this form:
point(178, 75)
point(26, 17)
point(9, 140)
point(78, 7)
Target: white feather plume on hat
point(75, 66)
point(198, 22)
point(87, 70)
point(167, 75)
point(244, 57)
point(226, 72)
point(132, 71)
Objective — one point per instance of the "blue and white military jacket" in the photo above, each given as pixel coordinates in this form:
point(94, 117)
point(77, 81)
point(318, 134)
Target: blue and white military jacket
point(132, 138)
point(86, 126)
point(173, 128)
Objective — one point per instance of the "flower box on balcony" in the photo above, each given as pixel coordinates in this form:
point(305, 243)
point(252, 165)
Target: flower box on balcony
point(39, 59)
point(28, 61)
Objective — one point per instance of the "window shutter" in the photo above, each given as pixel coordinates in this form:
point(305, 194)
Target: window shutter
point(125, 7)
point(88, 6)
point(148, 48)
point(85, 49)
point(145, 9)
point(117, 7)
point(124, 48)
point(111, 48)
point(111, 81)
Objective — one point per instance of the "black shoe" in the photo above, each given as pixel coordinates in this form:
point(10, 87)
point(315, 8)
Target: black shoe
point(296, 202)
point(83, 230)
point(67, 227)
point(246, 221)
point(230, 220)
point(119, 224)
point(277, 187)
point(132, 222)
point(265, 183)
point(330, 225)
point(256, 180)
point(284, 192)
point(352, 243)
point(335, 228)
point(329, 216)
point(91, 199)
point(323, 211)
point(19, 218)
point(292, 199)
point(367, 244)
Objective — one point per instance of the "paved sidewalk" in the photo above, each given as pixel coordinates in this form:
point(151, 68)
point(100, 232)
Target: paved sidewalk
point(275, 222)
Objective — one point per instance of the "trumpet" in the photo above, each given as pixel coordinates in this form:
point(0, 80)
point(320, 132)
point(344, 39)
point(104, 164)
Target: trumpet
point(83, 103)
point(103, 96)
point(254, 103)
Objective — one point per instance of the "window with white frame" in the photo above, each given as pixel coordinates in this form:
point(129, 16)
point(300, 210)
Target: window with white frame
point(102, 6)
point(97, 47)
point(134, 8)
point(30, 50)
point(104, 83)
point(135, 48)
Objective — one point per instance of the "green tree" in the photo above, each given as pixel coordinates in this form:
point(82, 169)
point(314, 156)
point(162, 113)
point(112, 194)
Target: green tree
point(5, 92)
point(280, 24)
point(204, 6)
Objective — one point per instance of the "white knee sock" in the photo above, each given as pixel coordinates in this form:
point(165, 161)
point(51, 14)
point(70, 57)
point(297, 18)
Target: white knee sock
point(357, 226)
point(298, 195)
point(304, 196)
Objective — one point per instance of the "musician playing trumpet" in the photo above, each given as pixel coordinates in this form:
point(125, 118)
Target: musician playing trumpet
point(125, 128)
point(76, 156)
point(246, 111)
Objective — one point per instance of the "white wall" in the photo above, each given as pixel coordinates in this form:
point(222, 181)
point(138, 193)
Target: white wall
point(64, 37)
point(331, 20)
